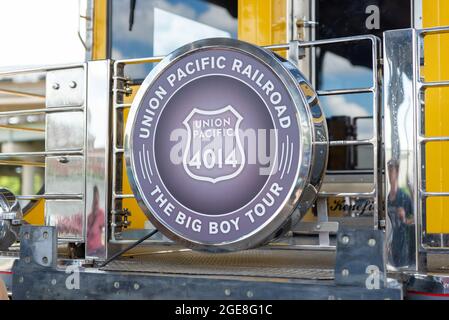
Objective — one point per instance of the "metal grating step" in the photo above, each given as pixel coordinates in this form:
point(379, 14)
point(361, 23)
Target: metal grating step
point(253, 263)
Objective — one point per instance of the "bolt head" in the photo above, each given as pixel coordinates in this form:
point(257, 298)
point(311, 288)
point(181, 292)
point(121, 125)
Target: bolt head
point(72, 84)
point(63, 159)
point(345, 272)
point(345, 239)
point(372, 242)
point(55, 86)
point(128, 91)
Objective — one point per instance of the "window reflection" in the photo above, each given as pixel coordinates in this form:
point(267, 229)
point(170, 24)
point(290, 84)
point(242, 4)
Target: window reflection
point(349, 66)
point(167, 36)
point(160, 26)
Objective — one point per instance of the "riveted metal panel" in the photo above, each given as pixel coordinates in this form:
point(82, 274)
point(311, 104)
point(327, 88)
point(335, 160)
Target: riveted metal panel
point(65, 88)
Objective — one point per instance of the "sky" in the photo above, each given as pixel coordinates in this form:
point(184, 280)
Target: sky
point(40, 32)
point(160, 26)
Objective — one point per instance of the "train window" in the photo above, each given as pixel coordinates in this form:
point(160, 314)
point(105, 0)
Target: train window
point(157, 27)
point(348, 66)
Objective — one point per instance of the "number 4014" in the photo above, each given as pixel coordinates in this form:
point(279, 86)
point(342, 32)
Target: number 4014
point(209, 159)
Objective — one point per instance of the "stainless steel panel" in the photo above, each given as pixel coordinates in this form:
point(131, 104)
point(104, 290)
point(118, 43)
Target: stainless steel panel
point(65, 175)
point(400, 148)
point(68, 217)
point(65, 88)
point(64, 130)
point(97, 158)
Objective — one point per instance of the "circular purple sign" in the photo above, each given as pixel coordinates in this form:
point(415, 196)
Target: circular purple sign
point(214, 145)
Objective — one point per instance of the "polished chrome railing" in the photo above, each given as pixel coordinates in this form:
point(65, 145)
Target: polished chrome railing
point(34, 111)
point(121, 89)
point(421, 193)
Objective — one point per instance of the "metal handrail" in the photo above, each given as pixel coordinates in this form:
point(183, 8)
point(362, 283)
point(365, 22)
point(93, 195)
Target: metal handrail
point(423, 139)
point(41, 69)
point(56, 196)
point(433, 84)
point(345, 91)
point(123, 196)
point(118, 106)
point(433, 30)
point(352, 142)
point(433, 194)
point(39, 110)
point(420, 86)
point(19, 128)
point(375, 140)
point(66, 152)
point(22, 94)
point(370, 194)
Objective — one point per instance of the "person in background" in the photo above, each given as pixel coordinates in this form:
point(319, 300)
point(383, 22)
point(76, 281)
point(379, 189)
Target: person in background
point(400, 213)
point(95, 225)
point(3, 291)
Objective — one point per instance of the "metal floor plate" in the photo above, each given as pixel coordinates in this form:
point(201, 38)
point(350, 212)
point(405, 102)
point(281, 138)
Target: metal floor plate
point(285, 264)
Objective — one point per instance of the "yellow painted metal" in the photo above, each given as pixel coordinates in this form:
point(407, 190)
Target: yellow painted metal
point(436, 67)
point(100, 32)
point(36, 214)
point(137, 217)
point(262, 22)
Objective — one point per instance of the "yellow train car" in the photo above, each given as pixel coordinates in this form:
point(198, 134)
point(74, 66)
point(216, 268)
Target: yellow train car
point(247, 148)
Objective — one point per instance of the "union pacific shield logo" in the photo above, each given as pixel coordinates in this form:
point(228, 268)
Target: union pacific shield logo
point(214, 145)
point(214, 150)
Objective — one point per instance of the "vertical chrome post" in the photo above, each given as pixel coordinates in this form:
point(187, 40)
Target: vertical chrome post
point(117, 142)
point(64, 152)
point(323, 217)
point(400, 134)
point(417, 114)
point(97, 158)
point(376, 138)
